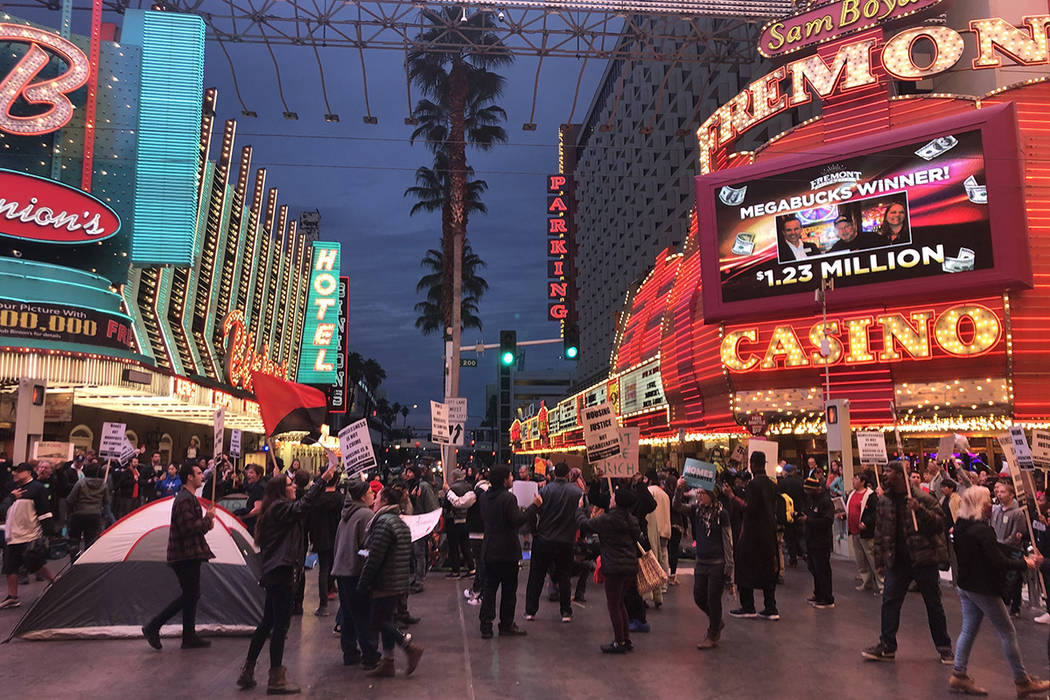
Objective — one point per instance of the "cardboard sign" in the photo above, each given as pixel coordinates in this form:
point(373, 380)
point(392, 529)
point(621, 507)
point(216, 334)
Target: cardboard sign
point(871, 445)
point(1041, 447)
point(457, 420)
point(539, 466)
point(600, 433)
point(112, 442)
point(355, 443)
point(769, 448)
point(739, 453)
point(699, 475)
point(946, 447)
point(128, 452)
point(220, 426)
point(52, 450)
point(1006, 443)
point(439, 423)
point(1021, 451)
point(626, 465)
point(235, 443)
point(422, 525)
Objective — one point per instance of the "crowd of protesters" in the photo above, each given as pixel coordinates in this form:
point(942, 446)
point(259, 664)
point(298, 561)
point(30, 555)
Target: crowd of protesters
point(905, 526)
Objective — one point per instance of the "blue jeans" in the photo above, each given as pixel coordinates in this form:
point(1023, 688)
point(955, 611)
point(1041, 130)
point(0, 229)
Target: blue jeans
point(356, 607)
point(928, 579)
point(975, 607)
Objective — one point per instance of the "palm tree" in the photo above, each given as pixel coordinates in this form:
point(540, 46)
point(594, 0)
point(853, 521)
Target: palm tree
point(355, 371)
point(432, 314)
point(405, 410)
point(453, 71)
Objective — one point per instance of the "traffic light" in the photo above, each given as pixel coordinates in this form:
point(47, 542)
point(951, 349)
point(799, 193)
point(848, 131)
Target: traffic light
point(508, 347)
point(571, 342)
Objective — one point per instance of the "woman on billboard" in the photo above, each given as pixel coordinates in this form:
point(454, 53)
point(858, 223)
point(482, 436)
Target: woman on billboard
point(894, 228)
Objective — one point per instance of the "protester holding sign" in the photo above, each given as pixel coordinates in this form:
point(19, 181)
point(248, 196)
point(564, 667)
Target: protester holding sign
point(1011, 531)
point(714, 559)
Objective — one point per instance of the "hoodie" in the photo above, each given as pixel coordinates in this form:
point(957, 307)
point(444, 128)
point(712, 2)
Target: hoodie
point(350, 539)
point(88, 496)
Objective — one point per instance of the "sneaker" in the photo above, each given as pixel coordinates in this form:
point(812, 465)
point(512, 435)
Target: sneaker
point(825, 605)
point(878, 653)
point(743, 612)
point(195, 643)
point(861, 587)
point(152, 636)
point(467, 593)
point(637, 626)
point(769, 615)
point(486, 634)
point(1043, 619)
point(474, 601)
point(322, 611)
point(512, 631)
point(946, 656)
point(10, 601)
point(614, 648)
point(337, 630)
point(566, 618)
point(529, 618)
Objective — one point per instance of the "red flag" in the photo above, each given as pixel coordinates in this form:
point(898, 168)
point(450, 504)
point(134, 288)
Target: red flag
point(287, 406)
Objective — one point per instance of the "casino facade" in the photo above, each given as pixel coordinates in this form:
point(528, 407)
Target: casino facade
point(893, 250)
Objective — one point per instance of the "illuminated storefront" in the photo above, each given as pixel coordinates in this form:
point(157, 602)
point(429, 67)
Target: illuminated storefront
point(921, 217)
point(140, 280)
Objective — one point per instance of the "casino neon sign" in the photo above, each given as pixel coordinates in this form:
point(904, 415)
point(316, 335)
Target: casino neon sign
point(962, 330)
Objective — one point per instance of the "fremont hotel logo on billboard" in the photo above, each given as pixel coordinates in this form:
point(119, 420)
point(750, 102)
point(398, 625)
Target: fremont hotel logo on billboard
point(559, 239)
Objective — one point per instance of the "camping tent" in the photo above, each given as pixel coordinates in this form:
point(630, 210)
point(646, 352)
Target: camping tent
point(123, 579)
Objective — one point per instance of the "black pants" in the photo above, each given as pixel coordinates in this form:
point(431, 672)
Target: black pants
point(582, 570)
point(381, 624)
point(616, 586)
point(708, 585)
point(820, 566)
point(86, 526)
point(793, 539)
point(632, 599)
point(277, 616)
point(557, 558)
point(459, 550)
point(895, 590)
point(499, 575)
point(324, 573)
point(479, 565)
point(769, 598)
point(1014, 584)
point(189, 575)
point(674, 550)
point(299, 588)
point(357, 610)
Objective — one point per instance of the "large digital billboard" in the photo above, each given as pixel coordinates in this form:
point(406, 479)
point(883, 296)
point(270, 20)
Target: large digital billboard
point(917, 210)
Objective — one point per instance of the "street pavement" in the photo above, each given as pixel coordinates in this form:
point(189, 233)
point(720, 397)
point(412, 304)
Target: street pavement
point(807, 654)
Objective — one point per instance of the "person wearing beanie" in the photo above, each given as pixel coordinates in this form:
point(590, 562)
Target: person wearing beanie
point(713, 572)
point(817, 519)
point(756, 561)
point(347, 563)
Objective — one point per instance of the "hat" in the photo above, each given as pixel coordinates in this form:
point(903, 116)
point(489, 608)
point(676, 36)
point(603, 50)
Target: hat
point(376, 485)
point(789, 468)
point(357, 488)
point(842, 217)
point(812, 483)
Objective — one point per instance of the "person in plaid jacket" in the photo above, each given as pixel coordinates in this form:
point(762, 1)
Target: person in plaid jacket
point(187, 550)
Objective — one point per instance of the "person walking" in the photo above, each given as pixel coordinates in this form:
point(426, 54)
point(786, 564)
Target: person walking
point(756, 560)
point(476, 533)
point(322, 523)
point(658, 529)
point(281, 538)
point(818, 520)
point(187, 551)
point(860, 523)
point(385, 576)
point(713, 571)
point(421, 493)
point(1011, 530)
point(552, 547)
point(618, 535)
point(87, 501)
point(348, 562)
point(501, 552)
point(982, 569)
point(29, 521)
point(909, 546)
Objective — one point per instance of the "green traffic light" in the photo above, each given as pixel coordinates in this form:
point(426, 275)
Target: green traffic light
point(508, 358)
point(571, 352)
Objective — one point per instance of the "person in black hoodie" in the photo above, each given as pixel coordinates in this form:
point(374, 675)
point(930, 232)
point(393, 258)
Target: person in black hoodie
point(818, 518)
point(791, 484)
point(618, 535)
point(281, 538)
point(757, 564)
point(982, 577)
point(322, 523)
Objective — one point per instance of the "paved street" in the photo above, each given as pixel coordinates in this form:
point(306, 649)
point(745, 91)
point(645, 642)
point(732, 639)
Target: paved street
point(807, 653)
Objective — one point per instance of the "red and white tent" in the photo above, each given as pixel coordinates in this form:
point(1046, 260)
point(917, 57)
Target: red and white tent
point(123, 580)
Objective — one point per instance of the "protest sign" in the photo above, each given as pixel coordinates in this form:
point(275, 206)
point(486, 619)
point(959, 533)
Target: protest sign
point(1021, 451)
point(871, 445)
point(600, 433)
point(439, 423)
point(52, 450)
point(1041, 447)
point(699, 475)
point(769, 448)
point(112, 442)
point(355, 443)
point(235, 443)
point(525, 492)
point(539, 466)
point(946, 447)
point(422, 525)
point(128, 452)
point(738, 454)
point(626, 464)
point(457, 420)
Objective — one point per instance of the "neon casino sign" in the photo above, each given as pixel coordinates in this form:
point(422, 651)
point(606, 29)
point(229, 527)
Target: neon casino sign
point(241, 359)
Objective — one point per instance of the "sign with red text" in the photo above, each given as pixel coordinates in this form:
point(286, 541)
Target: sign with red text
point(47, 211)
point(62, 323)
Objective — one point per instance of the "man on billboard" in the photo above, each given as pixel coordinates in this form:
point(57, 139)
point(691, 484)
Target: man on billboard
point(850, 239)
point(792, 247)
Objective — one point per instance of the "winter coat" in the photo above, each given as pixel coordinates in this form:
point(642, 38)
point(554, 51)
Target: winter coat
point(868, 511)
point(426, 501)
point(281, 531)
point(981, 561)
point(459, 503)
point(188, 527)
point(757, 563)
point(323, 520)
point(502, 517)
point(557, 514)
point(820, 515)
point(927, 546)
point(350, 538)
point(88, 497)
point(618, 534)
point(714, 537)
point(386, 570)
point(792, 486)
point(658, 523)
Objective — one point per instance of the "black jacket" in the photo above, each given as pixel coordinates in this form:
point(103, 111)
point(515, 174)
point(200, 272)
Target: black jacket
point(386, 569)
point(323, 521)
point(502, 518)
point(757, 564)
point(982, 563)
point(792, 486)
point(618, 536)
point(557, 514)
point(820, 515)
point(281, 532)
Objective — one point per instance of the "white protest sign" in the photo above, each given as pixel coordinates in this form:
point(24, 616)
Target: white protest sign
point(128, 452)
point(946, 447)
point(1006, 442)
point(457, 420)
point(439, 423)
point(235, 443)
point(600, 433)
point(1021, 451)
point(871, 444)
point(626, 464)
point(220, 426)
point(1041, 447)
point(524, 492)
point(767, 447)
point(355, 443)
point(113, 438)
point(422, 525)
point(49, 449)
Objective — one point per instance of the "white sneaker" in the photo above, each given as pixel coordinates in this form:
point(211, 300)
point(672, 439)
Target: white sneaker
point(467, 593)
point(1043, 619)
point(474, 601)
point(530, 618)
